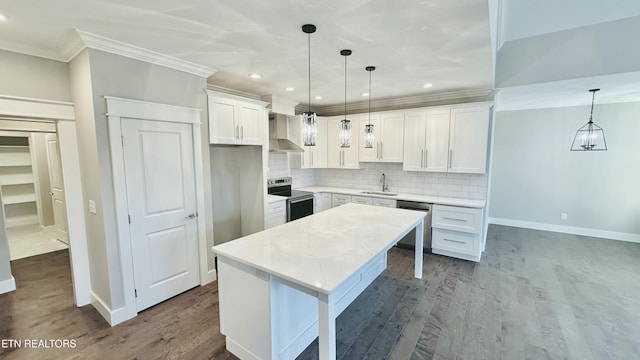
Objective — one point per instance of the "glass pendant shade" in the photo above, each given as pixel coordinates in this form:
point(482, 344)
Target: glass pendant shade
point(369, 136)
point(590, 137)
point(309, 128)
point(345, 133)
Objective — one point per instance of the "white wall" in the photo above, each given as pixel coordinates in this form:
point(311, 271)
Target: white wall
point(535, 177)
point(465, 186)
point(96, 74)
point(278, 165)
point(33, 77)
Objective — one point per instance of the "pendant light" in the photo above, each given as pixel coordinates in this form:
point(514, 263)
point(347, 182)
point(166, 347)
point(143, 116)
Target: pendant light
point(590, 137)
point(345, 124)
point(309, 119)
point(369, 134)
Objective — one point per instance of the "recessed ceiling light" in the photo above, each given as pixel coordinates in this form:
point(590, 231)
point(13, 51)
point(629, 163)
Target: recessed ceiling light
point(427, 85)
point(288, 88)
point(365, 94)
point(255, 76)
point(2, 18)
point(318, 97)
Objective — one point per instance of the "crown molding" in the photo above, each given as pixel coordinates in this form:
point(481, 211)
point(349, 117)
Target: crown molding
point(233, 92)
point(406, 102)
point(92, 41)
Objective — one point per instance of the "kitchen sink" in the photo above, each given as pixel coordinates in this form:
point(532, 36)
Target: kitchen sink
point(378, 193)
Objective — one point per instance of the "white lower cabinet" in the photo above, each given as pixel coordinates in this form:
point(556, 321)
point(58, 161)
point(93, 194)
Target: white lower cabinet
point(276, 214)
point(384, 202)
point(362, 200)
point(457, 232)
point(340, 199)
point(321, 202)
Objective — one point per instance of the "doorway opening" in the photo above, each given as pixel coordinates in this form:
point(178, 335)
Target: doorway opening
point(32, 190)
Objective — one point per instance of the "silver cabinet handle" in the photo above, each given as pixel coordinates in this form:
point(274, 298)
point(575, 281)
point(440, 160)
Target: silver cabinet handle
point(450, 157)
point(237, 131)
point(190, 216)
point(422, 158)
point(381, 150)
point(426, 158)
point(311, 158)
point(242, 132)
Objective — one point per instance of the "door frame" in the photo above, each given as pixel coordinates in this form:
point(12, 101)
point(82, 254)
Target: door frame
point(62, 114)
point(117, 110)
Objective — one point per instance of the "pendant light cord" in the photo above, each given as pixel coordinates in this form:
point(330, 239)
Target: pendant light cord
point(345, 87)
point(593, 97)
point(309, 53)
point(370, 97)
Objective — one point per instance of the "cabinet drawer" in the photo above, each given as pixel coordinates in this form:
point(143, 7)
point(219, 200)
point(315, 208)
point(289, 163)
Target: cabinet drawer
point(276, 207)
point(457, 242)
point(362, 200)
point(457, 218)
point(340, 199)
point(384, 202)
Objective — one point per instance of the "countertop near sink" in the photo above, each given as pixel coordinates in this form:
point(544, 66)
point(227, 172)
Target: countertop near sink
point(275, 198)
point(479, 204)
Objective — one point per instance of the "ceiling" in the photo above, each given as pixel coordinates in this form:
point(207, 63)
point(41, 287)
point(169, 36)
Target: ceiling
point(411, 42)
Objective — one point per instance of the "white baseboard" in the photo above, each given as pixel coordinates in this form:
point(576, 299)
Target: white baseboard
point(7, 285)
point(574, 230)
point(113, 317)
point(209, 277)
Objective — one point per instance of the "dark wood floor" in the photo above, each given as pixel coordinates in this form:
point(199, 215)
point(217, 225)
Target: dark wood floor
point(535, 295)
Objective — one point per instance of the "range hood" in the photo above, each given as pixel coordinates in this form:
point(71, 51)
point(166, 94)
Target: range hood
point(278, 135)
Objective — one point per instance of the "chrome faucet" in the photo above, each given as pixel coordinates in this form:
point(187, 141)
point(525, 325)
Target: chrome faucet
point(383, 180)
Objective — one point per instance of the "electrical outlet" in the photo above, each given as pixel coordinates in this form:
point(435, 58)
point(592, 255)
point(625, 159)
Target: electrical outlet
point(563, 216)
point(92, 207)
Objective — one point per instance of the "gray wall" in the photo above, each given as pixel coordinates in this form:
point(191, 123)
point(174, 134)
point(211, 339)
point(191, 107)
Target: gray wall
point(600, 49)
point(113, 75)
point(33, 77)
point(535, 177)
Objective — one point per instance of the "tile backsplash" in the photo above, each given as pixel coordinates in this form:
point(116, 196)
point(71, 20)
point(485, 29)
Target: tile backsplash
point(278, 165)
point(466, 186)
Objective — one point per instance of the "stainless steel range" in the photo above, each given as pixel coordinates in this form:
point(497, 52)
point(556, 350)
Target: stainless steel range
point(299, 203)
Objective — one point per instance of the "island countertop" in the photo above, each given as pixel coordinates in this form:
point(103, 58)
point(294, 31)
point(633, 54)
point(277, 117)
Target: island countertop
point(322, 250)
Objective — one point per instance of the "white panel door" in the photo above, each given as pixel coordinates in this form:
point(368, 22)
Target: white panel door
point(57, 188)
point(223, 127)
point(334, 151)
point(392, 137)
point(251, 123)
point(414, 141)
point(161, 196)
point(437, 144)
point(468, 139)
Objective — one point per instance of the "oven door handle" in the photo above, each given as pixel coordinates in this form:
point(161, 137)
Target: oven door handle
point(301, 199)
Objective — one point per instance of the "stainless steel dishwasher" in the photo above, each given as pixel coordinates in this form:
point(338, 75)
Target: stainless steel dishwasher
point(409, 241)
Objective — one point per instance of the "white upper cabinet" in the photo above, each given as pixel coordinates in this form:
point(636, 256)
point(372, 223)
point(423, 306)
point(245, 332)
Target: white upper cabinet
point(389, 137)
point(337, 156)
point(468, 139)
point(447, 139)
point(235, 120)
point(426, 140)
point(415, 128)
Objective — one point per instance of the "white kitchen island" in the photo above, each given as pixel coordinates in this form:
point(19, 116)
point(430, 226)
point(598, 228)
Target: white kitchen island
point(281, 288)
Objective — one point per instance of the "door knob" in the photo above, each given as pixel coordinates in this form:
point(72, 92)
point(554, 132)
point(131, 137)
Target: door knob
point(51, 194)
point(191, 216)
